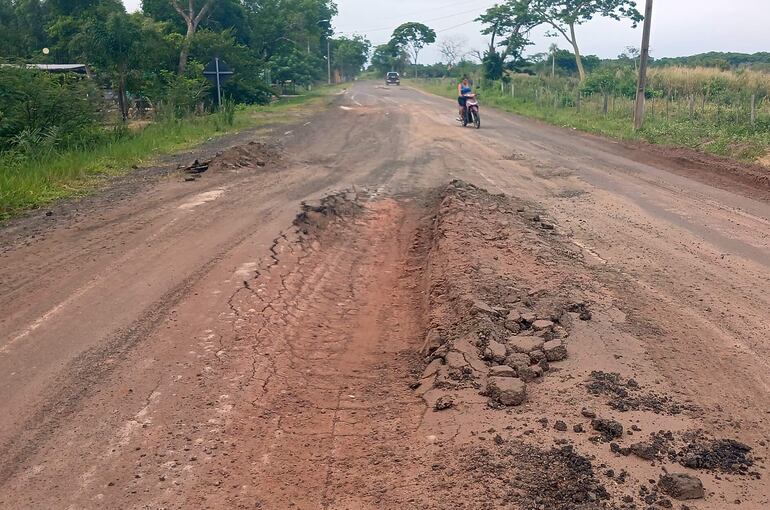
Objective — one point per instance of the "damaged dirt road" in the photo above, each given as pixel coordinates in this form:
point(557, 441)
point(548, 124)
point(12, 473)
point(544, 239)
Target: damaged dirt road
point(380, 310)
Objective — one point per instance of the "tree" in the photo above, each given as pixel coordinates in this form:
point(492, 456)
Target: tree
point(350, 55)
point(477, 54)
point(296, 66)
point(565, 60)
point(498, 21)
point(192, 19)
point(564, 15)
point(121, 41)
point(388, 57)
point(631, 53)
point(493, 65)
point(508, 26)
point(224, 15)
point(281, 28)
point(22, 27)
point(610, 80)
point(413, 37)
point(123, 49)
point(452, 50)
point(141, 55)
point(553, 49)
point(80, 7)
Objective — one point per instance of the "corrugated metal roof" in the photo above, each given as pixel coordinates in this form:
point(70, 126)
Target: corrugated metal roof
point(72, 68)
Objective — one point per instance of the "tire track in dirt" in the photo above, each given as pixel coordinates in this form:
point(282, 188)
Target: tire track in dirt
point(297, 294)
point(297, 389)
point(323, 422)
point(311, 387)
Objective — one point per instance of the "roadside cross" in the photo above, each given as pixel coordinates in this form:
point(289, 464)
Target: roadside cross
point(218, 72)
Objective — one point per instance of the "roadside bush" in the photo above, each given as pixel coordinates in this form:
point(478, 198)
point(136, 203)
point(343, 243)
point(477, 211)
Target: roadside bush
point(226, 114)
point(43, 112)
point(183, 94)
point(248, 92)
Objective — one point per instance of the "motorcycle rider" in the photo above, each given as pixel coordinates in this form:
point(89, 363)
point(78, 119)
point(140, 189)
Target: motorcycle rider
point(463, 89)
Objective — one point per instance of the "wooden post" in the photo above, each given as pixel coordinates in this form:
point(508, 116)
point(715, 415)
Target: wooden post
point(644, 57)
point(753, 109)
point(692, 106)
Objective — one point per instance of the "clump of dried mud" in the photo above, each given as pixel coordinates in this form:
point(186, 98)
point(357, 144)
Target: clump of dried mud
point(695, 450)
point(251, 156)
point(537, 478)
point(723, 455)
point(316, 215)
point(628, 395)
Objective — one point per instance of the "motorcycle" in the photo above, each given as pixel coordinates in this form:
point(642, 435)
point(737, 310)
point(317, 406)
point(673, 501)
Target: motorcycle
point(471, 112)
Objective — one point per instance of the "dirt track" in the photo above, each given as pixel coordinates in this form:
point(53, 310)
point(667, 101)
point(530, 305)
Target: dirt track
point(197, 345)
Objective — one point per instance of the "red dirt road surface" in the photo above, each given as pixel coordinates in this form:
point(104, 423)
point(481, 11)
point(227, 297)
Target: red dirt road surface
point(378, 309)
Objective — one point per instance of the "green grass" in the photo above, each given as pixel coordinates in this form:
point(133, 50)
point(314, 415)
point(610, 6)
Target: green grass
point(33, 183)
point(736, 140)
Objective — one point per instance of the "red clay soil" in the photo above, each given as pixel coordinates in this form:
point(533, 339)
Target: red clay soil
point(752, 180)
point(514, 317)
point(352, 369)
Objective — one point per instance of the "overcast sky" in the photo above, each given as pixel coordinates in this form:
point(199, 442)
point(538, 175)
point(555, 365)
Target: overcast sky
point(680, 27)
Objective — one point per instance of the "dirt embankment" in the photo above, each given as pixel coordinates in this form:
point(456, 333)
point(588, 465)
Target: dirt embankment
point(749, 179)
point(432, 351)
point(522, 359)
point(529, 400)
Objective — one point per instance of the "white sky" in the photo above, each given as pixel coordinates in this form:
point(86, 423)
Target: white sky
point(680, 27)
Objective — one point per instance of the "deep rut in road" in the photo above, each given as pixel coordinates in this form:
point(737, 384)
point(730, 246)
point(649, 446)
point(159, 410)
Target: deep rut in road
point(328, 376)
point(440, 350)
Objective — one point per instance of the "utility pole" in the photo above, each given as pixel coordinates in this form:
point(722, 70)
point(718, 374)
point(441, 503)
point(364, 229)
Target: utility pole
point(219, 85)
point(328, 50)
point(642, 85)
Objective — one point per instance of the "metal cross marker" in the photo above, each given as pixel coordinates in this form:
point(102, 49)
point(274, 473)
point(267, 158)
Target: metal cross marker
point(218, 72)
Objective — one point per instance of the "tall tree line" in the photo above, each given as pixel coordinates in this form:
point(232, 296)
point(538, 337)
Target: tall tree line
point(509, 23)
point(158, 53)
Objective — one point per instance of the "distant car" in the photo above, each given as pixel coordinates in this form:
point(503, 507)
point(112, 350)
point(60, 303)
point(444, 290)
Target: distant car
point(392, 79)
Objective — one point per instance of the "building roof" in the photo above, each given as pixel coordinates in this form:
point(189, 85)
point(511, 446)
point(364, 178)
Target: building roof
point(55, 68)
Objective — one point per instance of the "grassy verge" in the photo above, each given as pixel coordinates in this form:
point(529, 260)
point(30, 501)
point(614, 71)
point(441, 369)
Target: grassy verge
point(33, 183)
point(741, 142)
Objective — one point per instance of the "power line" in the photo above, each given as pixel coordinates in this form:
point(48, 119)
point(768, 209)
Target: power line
point(426, 21)
point(421, 11)
point(382, 29)
point(456, 26)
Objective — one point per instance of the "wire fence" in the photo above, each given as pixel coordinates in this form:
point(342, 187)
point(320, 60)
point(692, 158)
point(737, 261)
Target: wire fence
point(710, 104)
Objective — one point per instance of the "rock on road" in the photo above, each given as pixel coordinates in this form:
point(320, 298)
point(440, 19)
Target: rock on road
point(119, 322)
